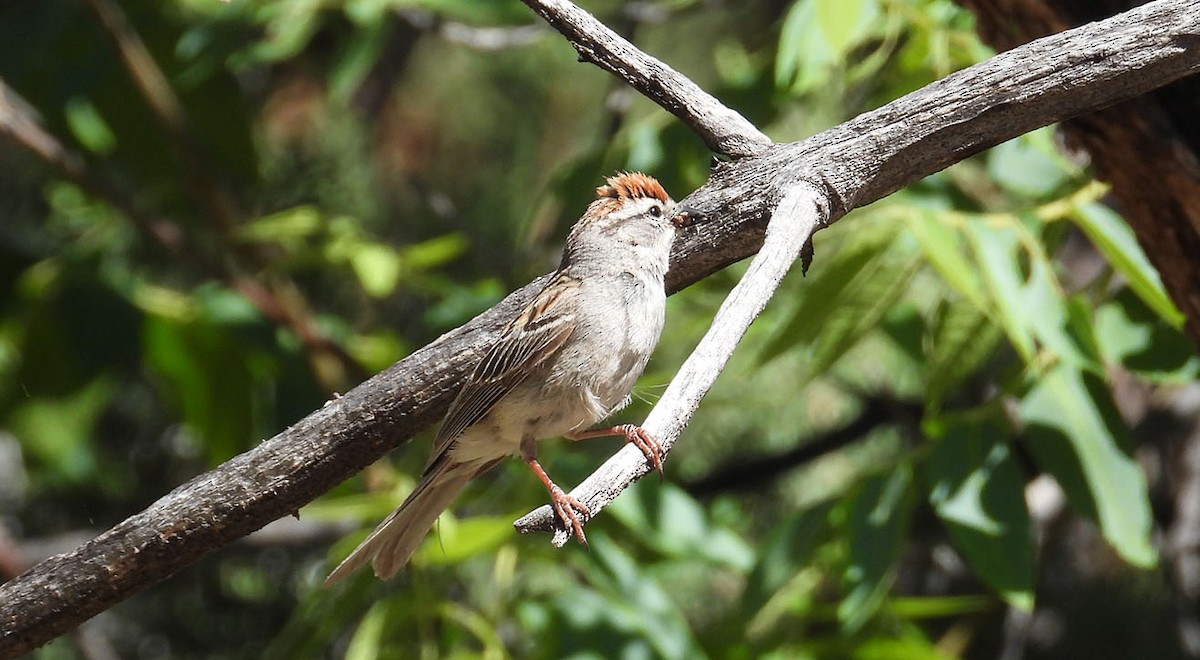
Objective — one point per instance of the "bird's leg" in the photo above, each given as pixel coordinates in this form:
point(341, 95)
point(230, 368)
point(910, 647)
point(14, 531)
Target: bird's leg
point(566, 507)
point(635, 435)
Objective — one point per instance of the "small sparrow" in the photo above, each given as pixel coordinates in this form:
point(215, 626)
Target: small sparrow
point(569, 360)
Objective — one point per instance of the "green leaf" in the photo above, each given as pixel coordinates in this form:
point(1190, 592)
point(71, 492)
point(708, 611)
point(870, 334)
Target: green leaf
point(1115, 240)
point(943, 247)
point(455, 540)
point(892, 648)
point(89, 126)
point(367, 642)
point(778, 586)
point(434, 252)
point(209, 377)
point(978, 491)
point(58, 431)
point(675, 524)
point(960, 339)
point(289, 26)
point(1130, 333)
point(1048, 312)
point(842, 23)
point(851, 273)
point(939, 607)
point(819, 35)
point(996, 252)
point(628, 598)
point(296, 222)
point(866, 300)
point(878, 525)
point(356, 61)
point(1077, 436)
point(785, 552)
point(377, 267)
point(795, 43)
point(1028, 166)
point(1032, 309)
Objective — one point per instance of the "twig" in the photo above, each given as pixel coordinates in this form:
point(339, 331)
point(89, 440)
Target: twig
point(856, 176)
point(801, 212)
point(722, 129)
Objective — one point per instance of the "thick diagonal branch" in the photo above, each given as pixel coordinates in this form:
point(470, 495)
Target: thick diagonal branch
point(855, 174)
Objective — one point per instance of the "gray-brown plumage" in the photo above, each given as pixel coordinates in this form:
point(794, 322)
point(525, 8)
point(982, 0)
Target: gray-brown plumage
point(569, 360)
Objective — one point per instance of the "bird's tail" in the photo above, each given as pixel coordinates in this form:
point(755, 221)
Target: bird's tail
point(389, 547)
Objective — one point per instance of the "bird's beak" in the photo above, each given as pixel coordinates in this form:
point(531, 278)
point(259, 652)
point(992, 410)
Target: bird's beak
point(686, 216)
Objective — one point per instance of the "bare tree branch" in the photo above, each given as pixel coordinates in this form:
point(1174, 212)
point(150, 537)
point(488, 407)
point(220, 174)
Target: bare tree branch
point(850, 165)
point(722, 129)
point(857, 162)
point(1160, 197)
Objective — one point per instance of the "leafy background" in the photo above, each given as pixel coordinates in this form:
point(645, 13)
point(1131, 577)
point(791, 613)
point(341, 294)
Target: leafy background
point(947, 440)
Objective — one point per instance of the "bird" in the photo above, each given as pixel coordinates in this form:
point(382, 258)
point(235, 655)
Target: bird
point(568, 360)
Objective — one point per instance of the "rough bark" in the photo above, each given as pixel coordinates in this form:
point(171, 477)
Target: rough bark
point(1148, 148)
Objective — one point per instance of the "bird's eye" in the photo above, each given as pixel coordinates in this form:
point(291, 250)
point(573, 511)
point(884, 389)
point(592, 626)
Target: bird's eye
point(656, 211)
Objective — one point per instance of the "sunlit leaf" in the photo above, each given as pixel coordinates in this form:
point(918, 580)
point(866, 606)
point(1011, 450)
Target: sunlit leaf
point(456, 539)
point(843, 23)
point(296, 222)
point(377, 267)
point(907, 648)
point(89, 126)
point(367, 641)
point(788, 548)
point(58, 432)
point(960, 339)
point(1031, 307)
point(1076, 435)
point(996, 252)
point(210, 380)
point(434, 252)
point(1130, 333)
point(943, 247)
point(878, 524)
point(1115, 240)
point(1028, 165)
point(817, 35)
point(631, 599)
point(360, 56)
point(865, 301)
point(850, 271)
point(978, 490)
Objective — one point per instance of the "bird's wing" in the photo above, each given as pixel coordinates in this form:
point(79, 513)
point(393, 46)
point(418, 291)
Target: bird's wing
point(531, 339)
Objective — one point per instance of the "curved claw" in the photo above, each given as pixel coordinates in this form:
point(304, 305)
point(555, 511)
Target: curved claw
point(648, 444)
point(568, 510)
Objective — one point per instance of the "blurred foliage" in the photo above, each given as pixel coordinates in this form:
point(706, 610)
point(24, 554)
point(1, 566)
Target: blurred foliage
point(397, 165)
